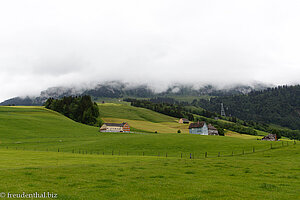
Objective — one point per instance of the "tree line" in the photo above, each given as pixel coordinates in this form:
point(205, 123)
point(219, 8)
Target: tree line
point(172, 110)
point(79, 108)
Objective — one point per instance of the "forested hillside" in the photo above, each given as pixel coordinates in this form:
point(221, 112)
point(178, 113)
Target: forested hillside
point(81, 109)
point(280, 105)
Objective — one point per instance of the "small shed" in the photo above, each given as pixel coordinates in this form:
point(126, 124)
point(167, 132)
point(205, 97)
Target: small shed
point(183, 121)
point(270, 137)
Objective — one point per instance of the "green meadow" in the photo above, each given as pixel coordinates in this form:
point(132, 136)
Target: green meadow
point(41, 151)
point(36, 128)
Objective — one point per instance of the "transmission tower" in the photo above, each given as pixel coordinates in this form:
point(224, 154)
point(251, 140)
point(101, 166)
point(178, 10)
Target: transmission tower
point(222, 110)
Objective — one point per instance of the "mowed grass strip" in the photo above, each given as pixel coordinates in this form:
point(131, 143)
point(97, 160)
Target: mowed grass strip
point(112, 110)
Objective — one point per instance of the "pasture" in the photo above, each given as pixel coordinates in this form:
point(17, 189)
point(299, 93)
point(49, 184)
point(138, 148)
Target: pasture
point(30, 138)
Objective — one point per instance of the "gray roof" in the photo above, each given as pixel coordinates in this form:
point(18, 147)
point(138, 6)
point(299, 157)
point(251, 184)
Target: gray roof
point(115, 124)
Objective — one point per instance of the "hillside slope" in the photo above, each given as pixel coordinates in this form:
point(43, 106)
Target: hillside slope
point(279, 106)
point(140, 118)
point(42, 129)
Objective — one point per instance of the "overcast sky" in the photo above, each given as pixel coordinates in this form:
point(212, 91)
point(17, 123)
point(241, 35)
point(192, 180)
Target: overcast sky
point(52, 43)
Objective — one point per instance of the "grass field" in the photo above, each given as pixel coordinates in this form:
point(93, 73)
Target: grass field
point(269, 175)
point(31, 136)
point(36, 128)
point(140, 118)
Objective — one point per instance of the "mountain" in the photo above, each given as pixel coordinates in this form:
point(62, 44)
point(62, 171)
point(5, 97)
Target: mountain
point(54, 92)
point(279, 105)
point(116, 89)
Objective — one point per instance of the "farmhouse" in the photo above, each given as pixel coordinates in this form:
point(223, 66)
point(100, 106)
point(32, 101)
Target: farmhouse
point(114, 127)
point(270, 137)
point(198, 128)
point(212, 130)
point(183, 121)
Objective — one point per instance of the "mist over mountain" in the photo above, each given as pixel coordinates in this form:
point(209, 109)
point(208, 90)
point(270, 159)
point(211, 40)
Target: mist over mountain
point(118, 89)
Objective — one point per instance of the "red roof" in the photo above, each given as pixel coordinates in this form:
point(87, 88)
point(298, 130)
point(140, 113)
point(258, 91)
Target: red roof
point(197, 125)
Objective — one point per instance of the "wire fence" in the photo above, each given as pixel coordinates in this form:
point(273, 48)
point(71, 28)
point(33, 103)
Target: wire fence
point(181, 155)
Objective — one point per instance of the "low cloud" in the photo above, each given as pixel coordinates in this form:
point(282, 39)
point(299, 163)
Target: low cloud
point(62, 43)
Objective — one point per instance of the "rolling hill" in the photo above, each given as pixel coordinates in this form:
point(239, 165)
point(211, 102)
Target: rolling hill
point(42, 129)
point(140, 119)
point(43, 151)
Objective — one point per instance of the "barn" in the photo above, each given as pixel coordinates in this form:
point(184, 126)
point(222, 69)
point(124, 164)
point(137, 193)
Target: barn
point(115, 127)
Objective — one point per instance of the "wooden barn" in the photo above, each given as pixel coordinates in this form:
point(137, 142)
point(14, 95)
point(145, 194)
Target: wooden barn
point(115, 127)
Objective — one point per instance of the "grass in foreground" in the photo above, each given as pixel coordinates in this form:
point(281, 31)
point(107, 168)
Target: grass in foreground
point(270, 175)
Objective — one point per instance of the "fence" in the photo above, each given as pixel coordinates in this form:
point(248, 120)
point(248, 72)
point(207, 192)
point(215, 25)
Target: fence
point(181, 155)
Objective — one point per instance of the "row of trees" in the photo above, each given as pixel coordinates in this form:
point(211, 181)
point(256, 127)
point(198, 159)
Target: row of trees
point(172, 110)
point(81, 109)
point(180, 111)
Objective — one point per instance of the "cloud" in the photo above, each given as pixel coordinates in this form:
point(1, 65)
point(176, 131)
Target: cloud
point(60, 43)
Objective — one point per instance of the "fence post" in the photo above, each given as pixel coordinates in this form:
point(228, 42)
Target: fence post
point(103, 153)
point(205, 154)
point(253, 150)
point(294, 142)
point(57, 149)
point(112, 152)
point(166, 155)
point(219, 154)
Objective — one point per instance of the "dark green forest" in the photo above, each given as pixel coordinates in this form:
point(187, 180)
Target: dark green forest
point(178, 109)
point(280, 105)
point(81, 109)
